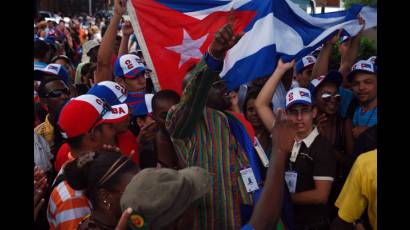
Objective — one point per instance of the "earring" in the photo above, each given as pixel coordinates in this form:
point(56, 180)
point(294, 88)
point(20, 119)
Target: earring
point(109, 204)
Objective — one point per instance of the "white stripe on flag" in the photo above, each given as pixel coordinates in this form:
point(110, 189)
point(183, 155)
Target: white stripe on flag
point(201, 14)
point(255, 39)
point(316, 21)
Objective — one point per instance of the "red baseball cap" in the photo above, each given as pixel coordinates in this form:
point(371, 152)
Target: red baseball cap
point(83, 113)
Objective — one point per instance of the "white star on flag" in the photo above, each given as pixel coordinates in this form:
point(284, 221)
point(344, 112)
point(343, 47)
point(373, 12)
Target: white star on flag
point(189, 48)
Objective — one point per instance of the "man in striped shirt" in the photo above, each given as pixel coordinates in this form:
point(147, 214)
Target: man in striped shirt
point(87, 124)
point(67, 207)
point(201, 133)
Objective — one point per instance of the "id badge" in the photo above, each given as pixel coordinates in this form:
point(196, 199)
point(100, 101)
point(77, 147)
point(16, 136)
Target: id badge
point(249, 180)
point(291, 179)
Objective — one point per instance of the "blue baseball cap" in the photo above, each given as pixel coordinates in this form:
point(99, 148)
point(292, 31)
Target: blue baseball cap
point(51, 69)
point(332, 76)
point(366, 66)
point(304, 62)
point(140, 103)
point(128, 66)
point(110, 91)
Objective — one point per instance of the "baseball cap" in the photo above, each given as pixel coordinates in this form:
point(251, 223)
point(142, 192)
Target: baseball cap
point(332, 76)
point(51, 69)
point(82, 113)
point(64, 57)
point(128, 65)
point(140, 103)
point(372, 59)
point(110, 91)
point(305, 62)
point(298, 95)
point(89, 45)
point(163, 194)
point(317, 50)
point(362, 66)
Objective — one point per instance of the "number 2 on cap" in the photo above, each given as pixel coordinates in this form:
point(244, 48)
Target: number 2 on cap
point(129, 64)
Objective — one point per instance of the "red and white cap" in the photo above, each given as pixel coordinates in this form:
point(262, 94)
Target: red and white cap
point(83, 113)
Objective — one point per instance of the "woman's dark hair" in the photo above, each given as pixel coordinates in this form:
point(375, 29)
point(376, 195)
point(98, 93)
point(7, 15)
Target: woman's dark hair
point(88, 176)
point(40, 49)
point(252, 94)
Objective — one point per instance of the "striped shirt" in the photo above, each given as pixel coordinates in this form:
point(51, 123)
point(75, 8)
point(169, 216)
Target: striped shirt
point(202, 137)
point(66, 207)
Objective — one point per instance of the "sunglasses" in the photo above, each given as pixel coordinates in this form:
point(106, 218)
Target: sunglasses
point(326, 97)
point(57, 93)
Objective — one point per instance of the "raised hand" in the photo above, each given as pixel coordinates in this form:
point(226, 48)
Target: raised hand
point(285, 66)
point(127, 29)
point(148, 133)
point(224, 39)
point(320, 122)
point(120, 7)
point(283, 133)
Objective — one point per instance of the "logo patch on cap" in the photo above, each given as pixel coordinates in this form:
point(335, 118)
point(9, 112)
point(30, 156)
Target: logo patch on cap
point(304, 94)
point(138, 221)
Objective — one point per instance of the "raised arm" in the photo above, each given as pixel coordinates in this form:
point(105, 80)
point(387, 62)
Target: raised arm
point(182, 118)
point(322, 63)
point(265, 96)
point(104, 69)
point(127, 31)
point(349, 58)
point(268, 209)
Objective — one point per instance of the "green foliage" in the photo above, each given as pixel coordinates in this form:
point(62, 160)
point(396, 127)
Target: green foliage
point(348, 3)
point(367, 49)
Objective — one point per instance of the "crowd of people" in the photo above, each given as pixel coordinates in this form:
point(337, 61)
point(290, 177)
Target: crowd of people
point(294, 150)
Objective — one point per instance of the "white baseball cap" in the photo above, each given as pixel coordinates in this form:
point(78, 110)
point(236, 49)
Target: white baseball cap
point(298, 95)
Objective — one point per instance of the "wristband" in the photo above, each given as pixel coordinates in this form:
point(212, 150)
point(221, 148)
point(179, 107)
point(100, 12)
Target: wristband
point(213, 63)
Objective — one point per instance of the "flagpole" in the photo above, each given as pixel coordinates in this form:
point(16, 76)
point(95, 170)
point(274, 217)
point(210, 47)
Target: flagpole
point(143, 45)
point(89, 8)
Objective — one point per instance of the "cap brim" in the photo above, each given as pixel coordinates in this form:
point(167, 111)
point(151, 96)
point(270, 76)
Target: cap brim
point(333, 76)
point(298, 102)
point(351, 74)
point(200, 179)
point(138, 72)
point(92, 47)
point(39, 73)
point(301, 70)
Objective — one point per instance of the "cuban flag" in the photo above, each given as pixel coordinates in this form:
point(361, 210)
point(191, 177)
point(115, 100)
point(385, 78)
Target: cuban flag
point(174, 34)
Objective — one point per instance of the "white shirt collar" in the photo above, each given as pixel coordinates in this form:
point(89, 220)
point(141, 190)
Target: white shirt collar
point(308, 142)
point(310, 138)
